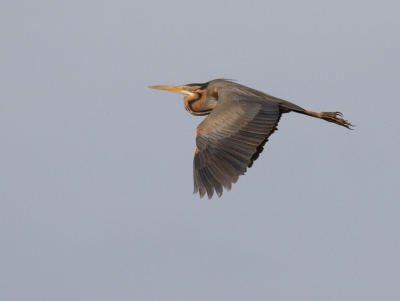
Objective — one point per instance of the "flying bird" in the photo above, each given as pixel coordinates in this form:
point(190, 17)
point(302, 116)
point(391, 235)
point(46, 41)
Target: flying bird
point(239, 122)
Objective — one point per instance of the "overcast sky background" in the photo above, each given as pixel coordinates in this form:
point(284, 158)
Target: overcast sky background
point(96, 169)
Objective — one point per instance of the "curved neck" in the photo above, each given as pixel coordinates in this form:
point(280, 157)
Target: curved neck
point(198, 103)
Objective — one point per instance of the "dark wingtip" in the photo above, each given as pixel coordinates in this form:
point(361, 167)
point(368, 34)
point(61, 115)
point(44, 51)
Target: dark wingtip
point(202, 193)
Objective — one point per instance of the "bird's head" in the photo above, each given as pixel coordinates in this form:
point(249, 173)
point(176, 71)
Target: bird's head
point(198, 100)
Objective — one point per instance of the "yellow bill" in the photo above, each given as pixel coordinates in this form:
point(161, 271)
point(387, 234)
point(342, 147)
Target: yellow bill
point(176, 89)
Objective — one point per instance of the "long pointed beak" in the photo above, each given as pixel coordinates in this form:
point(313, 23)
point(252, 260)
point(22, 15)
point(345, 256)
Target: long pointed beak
point(176, 89)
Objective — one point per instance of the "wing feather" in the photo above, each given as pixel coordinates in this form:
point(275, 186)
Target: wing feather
point(220, 176)
point(230, 139)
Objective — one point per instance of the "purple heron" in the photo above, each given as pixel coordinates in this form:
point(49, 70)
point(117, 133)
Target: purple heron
point(232, 137)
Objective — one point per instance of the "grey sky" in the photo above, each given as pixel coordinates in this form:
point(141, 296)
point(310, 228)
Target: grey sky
point(96, 169)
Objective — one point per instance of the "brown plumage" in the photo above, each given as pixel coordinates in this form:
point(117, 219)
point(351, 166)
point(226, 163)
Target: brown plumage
point(232, 137)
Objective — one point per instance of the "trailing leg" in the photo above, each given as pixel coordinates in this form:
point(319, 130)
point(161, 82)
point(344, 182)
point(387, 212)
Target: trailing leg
point(335, 117)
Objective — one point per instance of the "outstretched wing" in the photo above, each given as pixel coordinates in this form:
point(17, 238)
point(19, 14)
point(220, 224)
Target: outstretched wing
point(230, 139)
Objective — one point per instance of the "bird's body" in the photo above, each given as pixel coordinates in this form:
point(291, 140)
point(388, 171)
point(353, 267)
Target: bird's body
point(232, 137)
